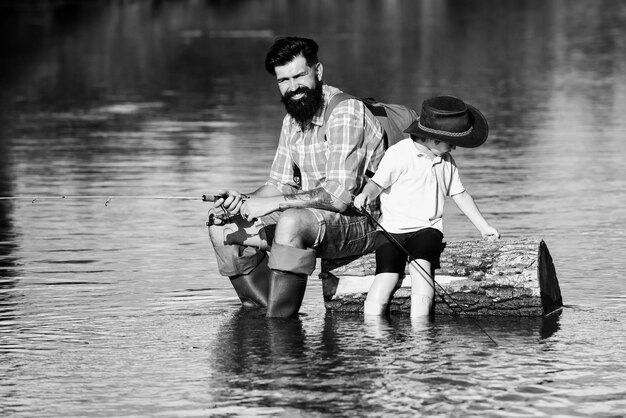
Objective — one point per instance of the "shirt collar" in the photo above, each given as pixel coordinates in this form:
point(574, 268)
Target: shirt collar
point(423, 151)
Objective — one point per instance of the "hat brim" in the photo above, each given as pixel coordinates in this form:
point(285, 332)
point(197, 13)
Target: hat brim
point(475, 138)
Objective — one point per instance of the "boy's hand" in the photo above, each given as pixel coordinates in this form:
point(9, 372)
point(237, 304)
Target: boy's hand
point(360, 200)
point(490, 233)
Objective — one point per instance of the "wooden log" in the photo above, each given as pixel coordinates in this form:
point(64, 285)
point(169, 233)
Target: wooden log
point(500, 278)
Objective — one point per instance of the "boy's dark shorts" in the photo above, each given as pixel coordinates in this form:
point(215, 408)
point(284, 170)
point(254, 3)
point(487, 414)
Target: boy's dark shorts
point(425, 244)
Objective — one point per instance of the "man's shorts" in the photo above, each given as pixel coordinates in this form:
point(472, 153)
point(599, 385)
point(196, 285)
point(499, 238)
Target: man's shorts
point(424, 244)
point(343, 234)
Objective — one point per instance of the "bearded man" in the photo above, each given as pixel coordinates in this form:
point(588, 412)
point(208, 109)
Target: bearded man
point(267, 241)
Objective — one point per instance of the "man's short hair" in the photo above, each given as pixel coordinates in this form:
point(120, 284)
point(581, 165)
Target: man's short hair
point(284, 50)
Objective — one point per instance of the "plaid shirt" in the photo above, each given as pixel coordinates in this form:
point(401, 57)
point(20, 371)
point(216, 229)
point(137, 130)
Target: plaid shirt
point(353, 146)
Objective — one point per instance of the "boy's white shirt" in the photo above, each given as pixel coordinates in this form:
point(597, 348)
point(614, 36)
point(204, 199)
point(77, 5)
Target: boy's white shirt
point(415, 186)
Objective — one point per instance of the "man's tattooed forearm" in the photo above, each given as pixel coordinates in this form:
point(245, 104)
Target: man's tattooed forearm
point(316, 198)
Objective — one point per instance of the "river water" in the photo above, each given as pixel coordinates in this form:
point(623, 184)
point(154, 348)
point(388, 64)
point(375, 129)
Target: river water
point(115, 307)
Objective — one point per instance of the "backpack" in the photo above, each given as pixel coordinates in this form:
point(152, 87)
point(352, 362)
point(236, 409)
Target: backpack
point(393, 118)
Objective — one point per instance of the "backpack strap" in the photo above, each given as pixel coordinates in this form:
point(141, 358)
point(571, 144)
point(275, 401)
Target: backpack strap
point(332, 103)
point(369, 103)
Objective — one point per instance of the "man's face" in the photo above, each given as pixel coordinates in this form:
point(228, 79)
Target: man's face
point(301, 89)
point(296, 74)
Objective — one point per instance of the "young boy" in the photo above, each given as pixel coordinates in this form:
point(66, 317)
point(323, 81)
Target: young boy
point(414, 178)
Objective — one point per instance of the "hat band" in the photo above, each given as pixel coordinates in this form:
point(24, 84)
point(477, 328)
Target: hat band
point(445, 133)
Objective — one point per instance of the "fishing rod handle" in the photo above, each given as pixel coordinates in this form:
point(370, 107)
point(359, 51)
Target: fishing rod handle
point(214, 197)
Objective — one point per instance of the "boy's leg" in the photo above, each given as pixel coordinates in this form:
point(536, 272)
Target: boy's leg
point(422, 287)
point(379, 294)
point(425, 247)
point(390, 263)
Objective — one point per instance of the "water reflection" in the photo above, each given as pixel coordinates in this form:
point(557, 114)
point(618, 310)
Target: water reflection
point(184, 53)
point(252, 344)
point(550, 325)
point(279, 362)
point(8, 263)
point(8, 268)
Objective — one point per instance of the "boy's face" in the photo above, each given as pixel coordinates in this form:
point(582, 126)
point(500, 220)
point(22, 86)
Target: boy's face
point(439, 147)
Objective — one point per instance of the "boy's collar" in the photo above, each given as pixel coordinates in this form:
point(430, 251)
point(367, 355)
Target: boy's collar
point(423, 150)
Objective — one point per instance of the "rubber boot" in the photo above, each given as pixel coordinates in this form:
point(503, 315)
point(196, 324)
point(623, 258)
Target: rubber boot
point(291, 268)
point(244, 264)
point(286, 294)
point(253, 288)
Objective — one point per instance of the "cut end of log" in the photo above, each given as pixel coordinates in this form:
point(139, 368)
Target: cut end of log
point(499, 278)
point(548, 284)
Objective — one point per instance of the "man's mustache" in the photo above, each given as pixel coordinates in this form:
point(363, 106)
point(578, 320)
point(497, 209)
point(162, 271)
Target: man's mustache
point(299, 90)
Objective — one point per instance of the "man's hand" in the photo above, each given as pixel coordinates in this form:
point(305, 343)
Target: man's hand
point(255, 207)
point(232, 202)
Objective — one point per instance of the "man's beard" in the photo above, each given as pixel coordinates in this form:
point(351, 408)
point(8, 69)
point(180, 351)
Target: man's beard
point(303, 109)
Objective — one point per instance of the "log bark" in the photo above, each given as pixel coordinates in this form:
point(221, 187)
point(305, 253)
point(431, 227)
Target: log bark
point(479, 278)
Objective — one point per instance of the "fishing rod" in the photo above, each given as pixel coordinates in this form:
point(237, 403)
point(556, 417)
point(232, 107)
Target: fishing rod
point(399, 246)
point(33, 199)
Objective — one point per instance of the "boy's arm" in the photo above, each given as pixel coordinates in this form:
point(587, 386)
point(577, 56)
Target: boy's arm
point(369, 193)
point(466, 203)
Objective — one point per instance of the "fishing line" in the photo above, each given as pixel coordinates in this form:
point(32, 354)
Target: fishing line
point(108, 198)
point(399, 246)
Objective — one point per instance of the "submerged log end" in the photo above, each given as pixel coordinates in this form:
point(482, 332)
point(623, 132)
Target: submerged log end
point(501, 278)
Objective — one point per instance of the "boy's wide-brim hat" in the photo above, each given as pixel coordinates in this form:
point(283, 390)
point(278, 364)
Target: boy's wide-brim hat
point(451, 120)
